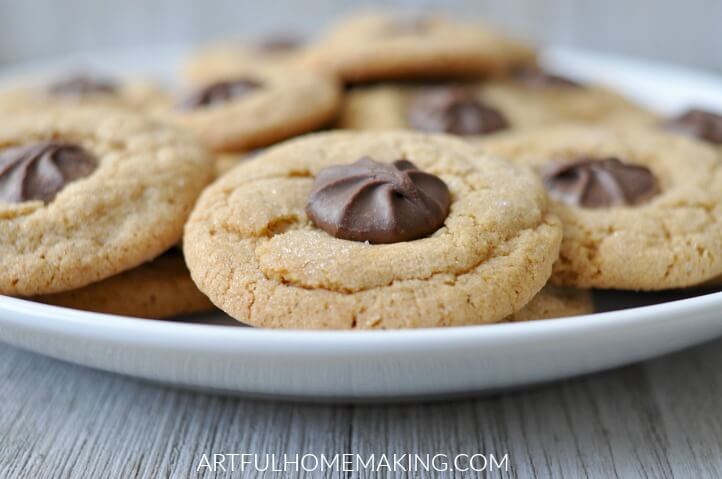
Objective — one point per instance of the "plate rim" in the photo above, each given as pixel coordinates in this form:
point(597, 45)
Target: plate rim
point(192, 336)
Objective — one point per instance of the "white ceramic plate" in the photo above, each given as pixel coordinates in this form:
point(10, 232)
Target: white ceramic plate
point(383, 364)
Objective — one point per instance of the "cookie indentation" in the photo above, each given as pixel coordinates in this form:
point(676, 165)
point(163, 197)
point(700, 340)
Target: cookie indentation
point(40, 170)
point(378, 202)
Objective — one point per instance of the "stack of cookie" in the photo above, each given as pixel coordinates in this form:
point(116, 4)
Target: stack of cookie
point(476, 187)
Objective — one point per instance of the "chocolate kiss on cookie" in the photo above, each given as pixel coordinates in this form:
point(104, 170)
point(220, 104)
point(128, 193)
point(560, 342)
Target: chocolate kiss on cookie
point(378, 202)
point(221, 92)
point(698, 123)
point(40, 170)
point(599, 183)
point(453, 110)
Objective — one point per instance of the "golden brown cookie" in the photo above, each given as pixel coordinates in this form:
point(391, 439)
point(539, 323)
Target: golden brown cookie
point(641, 209)
point(376, 46)
point(252, 246)
point(555, 302)
point(528, 90)
point(457, 108)
point(81, 90)
point(161, 288)
point(88, 193)
point(257, 107)
point(526, 100)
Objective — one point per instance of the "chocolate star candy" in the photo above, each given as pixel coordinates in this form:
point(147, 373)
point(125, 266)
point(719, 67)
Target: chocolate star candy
point(39, 171)
point(698, 123)
point(378, 202)
point(453, 110)
point(599, 183)
point(221, 92)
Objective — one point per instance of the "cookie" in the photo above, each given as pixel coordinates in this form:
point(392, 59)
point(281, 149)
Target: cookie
point(81, 90)
point(555, 302)
point(641, 209)
point(161, 288)
point(88, 193)
point(226, 59)
point(375, 46)
point(257, 107)
point(531, 89)
point(347, 230)
point(526, 100)
point(460, 109)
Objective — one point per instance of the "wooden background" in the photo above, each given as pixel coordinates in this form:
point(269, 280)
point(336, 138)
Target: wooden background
point(678, 31)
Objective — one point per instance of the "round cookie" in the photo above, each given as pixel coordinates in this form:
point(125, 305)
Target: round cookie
point(161, 288)
point(257, 107)
point(555, 302)
point(641, 209)
point(87, 193)
point(376, 46)
point(528, 90)
point(252, 248)
point(474, 109)
point(81, 90)
point(226, 59)
point(456, 108)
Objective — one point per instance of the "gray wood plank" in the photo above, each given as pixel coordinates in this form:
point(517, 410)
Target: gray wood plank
point(657, 419)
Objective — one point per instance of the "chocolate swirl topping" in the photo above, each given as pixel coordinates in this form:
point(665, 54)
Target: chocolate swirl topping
point(535, 77)
point(221, 92)
point(77, 86)
point(40, 170)
point(453, 110)
point(700, 124)
point(599, 183)
point(378, 202)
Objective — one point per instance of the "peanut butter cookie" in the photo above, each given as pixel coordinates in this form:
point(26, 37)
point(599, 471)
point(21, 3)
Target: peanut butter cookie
point(161, 288)
point(257, 107)
point(88, 193)
point(372, 230)
point(641, 209)
point(376, 46)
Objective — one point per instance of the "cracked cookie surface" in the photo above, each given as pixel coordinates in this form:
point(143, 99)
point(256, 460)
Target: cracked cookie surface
point(252, 249)
point(130, 209)
point(672, 240)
